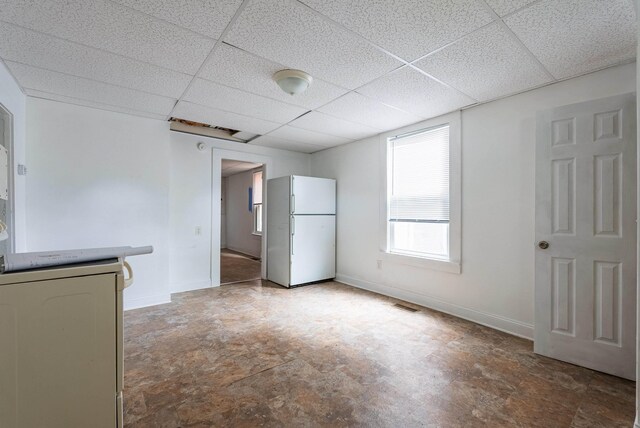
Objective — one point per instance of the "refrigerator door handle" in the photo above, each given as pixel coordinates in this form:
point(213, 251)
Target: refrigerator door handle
point(293, 231)
point(293, 194)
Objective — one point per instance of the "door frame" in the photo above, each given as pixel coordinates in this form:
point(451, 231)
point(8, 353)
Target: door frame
point(217, 155)
point(9, 143)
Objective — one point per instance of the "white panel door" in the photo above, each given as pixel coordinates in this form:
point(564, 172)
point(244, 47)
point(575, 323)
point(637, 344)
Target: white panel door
point(313, 248)
point(586, 235)
point(312, 195)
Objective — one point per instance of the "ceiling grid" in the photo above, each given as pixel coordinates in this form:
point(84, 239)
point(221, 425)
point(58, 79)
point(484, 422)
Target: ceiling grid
point(377, 65)
point(226, 30)
point(515, 37)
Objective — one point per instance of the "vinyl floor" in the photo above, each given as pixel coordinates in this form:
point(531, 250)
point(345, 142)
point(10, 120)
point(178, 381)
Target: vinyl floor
point(256, 354)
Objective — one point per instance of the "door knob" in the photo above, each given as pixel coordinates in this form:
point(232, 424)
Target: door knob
point(543, 245)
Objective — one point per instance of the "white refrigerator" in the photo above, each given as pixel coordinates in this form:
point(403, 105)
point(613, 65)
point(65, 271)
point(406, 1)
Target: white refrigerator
point(301, 230)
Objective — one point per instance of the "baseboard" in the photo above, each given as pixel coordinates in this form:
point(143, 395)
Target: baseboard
point(190, 286)
point(238, 250)
point(636, 423)
point(143, 302)
point(497, 322)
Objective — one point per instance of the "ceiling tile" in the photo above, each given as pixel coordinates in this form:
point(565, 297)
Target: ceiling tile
point(412, 91)
point(244, 135)
point(320, 122)
point(91, 90)
point(572, 37)
point(360, 109)
point(278, 143)
point(486, 64)
point(222, 97)
point(243, 70)
point(77, 101)
point(25, 46)
point(113, 27)
point(503, 7)
point(308, 137)
point(208, 17)
point(215, 117)
point(231, 167)
point(288, 33)
point(410, 28)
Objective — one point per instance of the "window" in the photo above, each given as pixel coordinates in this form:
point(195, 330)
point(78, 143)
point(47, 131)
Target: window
point(421, 201)
point(419, 193)
point(257, 203)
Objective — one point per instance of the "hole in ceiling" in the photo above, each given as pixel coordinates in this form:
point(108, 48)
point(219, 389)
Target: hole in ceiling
point(204, 129)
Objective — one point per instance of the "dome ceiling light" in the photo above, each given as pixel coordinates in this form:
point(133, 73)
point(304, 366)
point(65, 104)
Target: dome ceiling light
point(293, 81)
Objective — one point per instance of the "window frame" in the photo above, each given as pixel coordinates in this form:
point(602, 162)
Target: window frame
point(453, 263)
point(255, 219)
point(254, 204)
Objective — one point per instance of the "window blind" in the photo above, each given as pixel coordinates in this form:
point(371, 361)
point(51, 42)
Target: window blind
point(420, 177)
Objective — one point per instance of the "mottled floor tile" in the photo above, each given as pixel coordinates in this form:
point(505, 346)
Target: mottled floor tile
point(608, 402)
point(256, 354)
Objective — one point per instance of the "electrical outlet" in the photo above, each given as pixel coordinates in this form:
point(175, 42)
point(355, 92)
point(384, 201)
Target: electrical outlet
point(379, 264)
point(198, 230)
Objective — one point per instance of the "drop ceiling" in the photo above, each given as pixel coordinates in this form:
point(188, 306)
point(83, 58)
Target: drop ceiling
point(377, 65)
point(231, 167)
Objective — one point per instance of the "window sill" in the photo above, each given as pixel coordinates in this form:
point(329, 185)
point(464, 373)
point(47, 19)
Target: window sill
point(421, 262)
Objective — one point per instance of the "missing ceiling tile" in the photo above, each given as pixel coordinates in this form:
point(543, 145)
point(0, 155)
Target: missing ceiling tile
point(206, 130)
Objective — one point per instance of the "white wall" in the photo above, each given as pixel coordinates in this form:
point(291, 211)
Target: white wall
point(12, 98)
point(98, 179)
point(194, 181)
point(497, 281)
point(239, 223)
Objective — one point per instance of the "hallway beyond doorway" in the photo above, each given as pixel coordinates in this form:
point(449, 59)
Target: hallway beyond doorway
point(237, 267)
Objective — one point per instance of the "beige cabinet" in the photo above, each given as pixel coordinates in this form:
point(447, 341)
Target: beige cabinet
point(61, 347)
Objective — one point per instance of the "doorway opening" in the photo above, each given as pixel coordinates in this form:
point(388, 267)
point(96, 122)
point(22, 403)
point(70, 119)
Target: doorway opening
point(241, 221)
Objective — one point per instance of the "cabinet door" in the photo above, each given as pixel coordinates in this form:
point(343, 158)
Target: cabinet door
point(58, 353)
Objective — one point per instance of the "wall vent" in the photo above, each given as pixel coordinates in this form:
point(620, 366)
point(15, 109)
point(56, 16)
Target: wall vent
point(405, 308)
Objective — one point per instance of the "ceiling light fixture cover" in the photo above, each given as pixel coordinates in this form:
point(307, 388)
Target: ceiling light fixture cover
point(293, 81)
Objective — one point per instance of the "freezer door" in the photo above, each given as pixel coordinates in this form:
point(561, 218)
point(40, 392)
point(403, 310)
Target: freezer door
point(312, 195)
point(313, 248)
